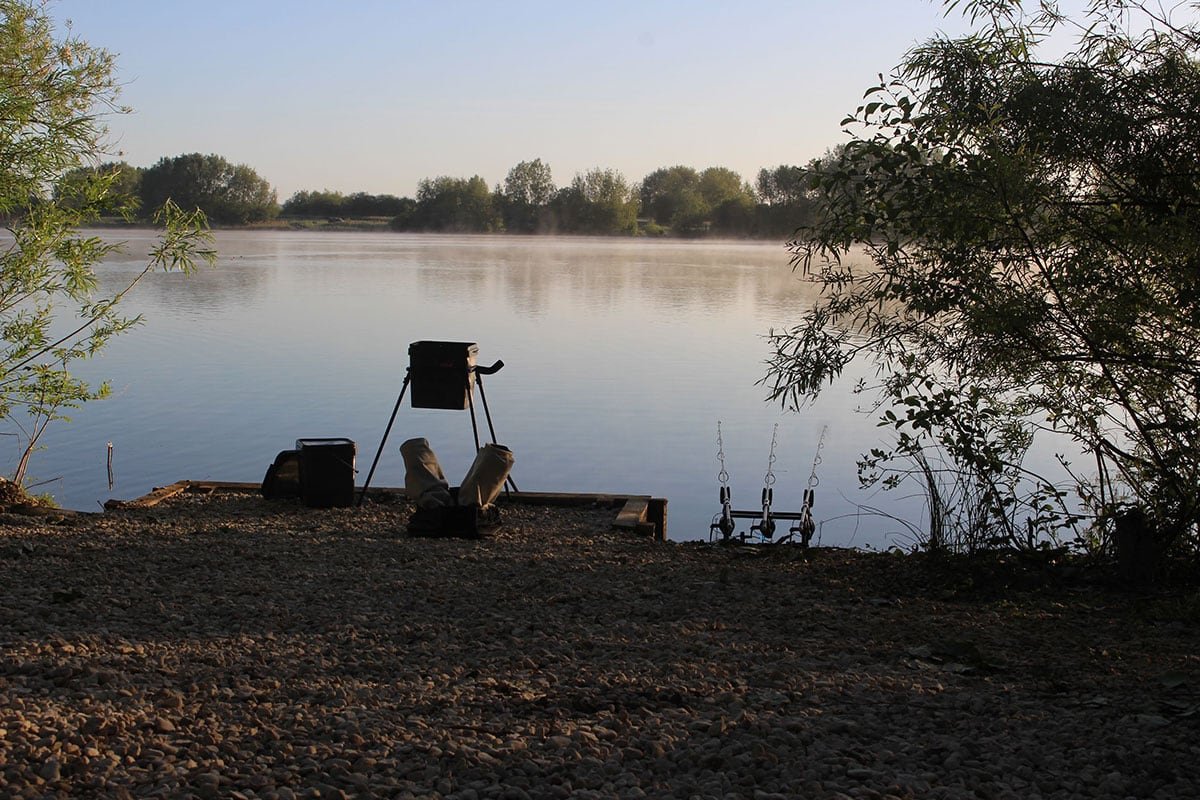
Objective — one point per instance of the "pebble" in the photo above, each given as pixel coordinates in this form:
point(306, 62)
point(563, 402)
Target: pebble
point(244, 649)
point(51, 770)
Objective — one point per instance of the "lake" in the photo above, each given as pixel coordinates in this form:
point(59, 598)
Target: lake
point(621, 356)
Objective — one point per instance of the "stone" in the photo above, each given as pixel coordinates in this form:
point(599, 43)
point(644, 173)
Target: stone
point(50, 770)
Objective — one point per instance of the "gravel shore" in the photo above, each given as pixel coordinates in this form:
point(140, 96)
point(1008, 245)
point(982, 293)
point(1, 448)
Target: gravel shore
point(229, 647)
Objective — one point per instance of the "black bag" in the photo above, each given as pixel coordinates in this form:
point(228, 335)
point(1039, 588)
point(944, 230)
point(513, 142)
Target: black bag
point(283, 477)
point(459, 522)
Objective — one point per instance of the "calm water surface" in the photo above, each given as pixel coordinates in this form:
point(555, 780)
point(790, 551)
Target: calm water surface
point(621, 357)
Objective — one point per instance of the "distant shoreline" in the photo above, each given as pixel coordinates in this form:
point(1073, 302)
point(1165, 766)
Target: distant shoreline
point(379, 225)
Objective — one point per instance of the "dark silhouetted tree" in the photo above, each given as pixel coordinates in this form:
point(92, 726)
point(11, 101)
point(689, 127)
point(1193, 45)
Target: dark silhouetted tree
point(227, 193)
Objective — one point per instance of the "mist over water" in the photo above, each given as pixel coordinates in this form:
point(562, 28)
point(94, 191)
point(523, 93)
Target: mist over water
point(620, 358)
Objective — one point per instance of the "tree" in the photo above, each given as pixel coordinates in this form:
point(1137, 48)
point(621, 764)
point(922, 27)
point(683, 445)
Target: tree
point(785, 199)
point(331, 205)
point(730, 201)
point(326, 203)
point(124, 184)
point(458, 205)
point(692, 213)
point(406, 209)
point(735, 216)
point(598, 201)
point(227, 193)
point(1033, 233)
point(784, 185)
point(55, 95)
point(719, 184)
point(669, 192)
point(530, 183)
point(361, 204)
point(695, 203)
point(245, 197)
point(528, 189)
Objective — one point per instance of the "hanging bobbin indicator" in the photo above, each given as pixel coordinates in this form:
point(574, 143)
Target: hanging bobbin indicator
point(805, 526)
point(725, 524)
point(766, 519)
point(766, 524)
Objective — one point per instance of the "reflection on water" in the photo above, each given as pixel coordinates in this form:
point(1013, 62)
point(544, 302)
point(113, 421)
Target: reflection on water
point(621, 356)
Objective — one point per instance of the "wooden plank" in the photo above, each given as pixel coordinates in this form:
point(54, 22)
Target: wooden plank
point(565, 499)
point(633, 513)
point(179, 487)
point(646, 516)
point(149, 500)
point(657, 515)
point(209, 487)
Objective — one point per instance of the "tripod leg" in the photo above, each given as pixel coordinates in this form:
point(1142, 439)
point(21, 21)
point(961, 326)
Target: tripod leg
point(471, 406)
point(387, 431)
point(487, 413)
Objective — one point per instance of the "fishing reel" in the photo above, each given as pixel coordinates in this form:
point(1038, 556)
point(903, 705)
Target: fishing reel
point(765, 527)
point(805, 526)
point(725, 524)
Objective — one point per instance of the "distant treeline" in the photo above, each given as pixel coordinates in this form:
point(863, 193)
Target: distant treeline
point(678, 200)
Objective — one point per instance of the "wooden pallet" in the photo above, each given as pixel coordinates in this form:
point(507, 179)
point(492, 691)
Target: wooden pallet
point(640, 514)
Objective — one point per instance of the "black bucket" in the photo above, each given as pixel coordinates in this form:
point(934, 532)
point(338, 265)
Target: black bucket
point(440, 374)
point(326, 472)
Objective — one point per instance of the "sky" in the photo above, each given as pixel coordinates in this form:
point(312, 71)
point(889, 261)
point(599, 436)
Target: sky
point(374, 95)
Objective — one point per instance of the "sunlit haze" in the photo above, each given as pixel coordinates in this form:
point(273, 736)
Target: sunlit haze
point(374, 95)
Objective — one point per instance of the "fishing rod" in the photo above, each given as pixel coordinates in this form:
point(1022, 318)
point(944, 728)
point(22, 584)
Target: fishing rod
point(764, 528)
point(805, 526)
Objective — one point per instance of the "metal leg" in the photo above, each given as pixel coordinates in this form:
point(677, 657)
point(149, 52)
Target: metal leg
point(471, 406)
point(386, 432)
point(487, 413)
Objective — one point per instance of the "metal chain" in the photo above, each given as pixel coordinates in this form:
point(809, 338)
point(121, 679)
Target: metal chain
point(722, 476)
point(769, 478)
point(813, 480)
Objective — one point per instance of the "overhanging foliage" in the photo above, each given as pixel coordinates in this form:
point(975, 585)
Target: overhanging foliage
point(1030, 229)
point(55, 95)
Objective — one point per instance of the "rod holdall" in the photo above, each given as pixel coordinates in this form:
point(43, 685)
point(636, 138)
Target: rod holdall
point(485, 479)
point(424, 482)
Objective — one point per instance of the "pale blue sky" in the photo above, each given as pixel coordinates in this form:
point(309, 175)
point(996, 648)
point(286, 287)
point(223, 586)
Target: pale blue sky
point(373, 95)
